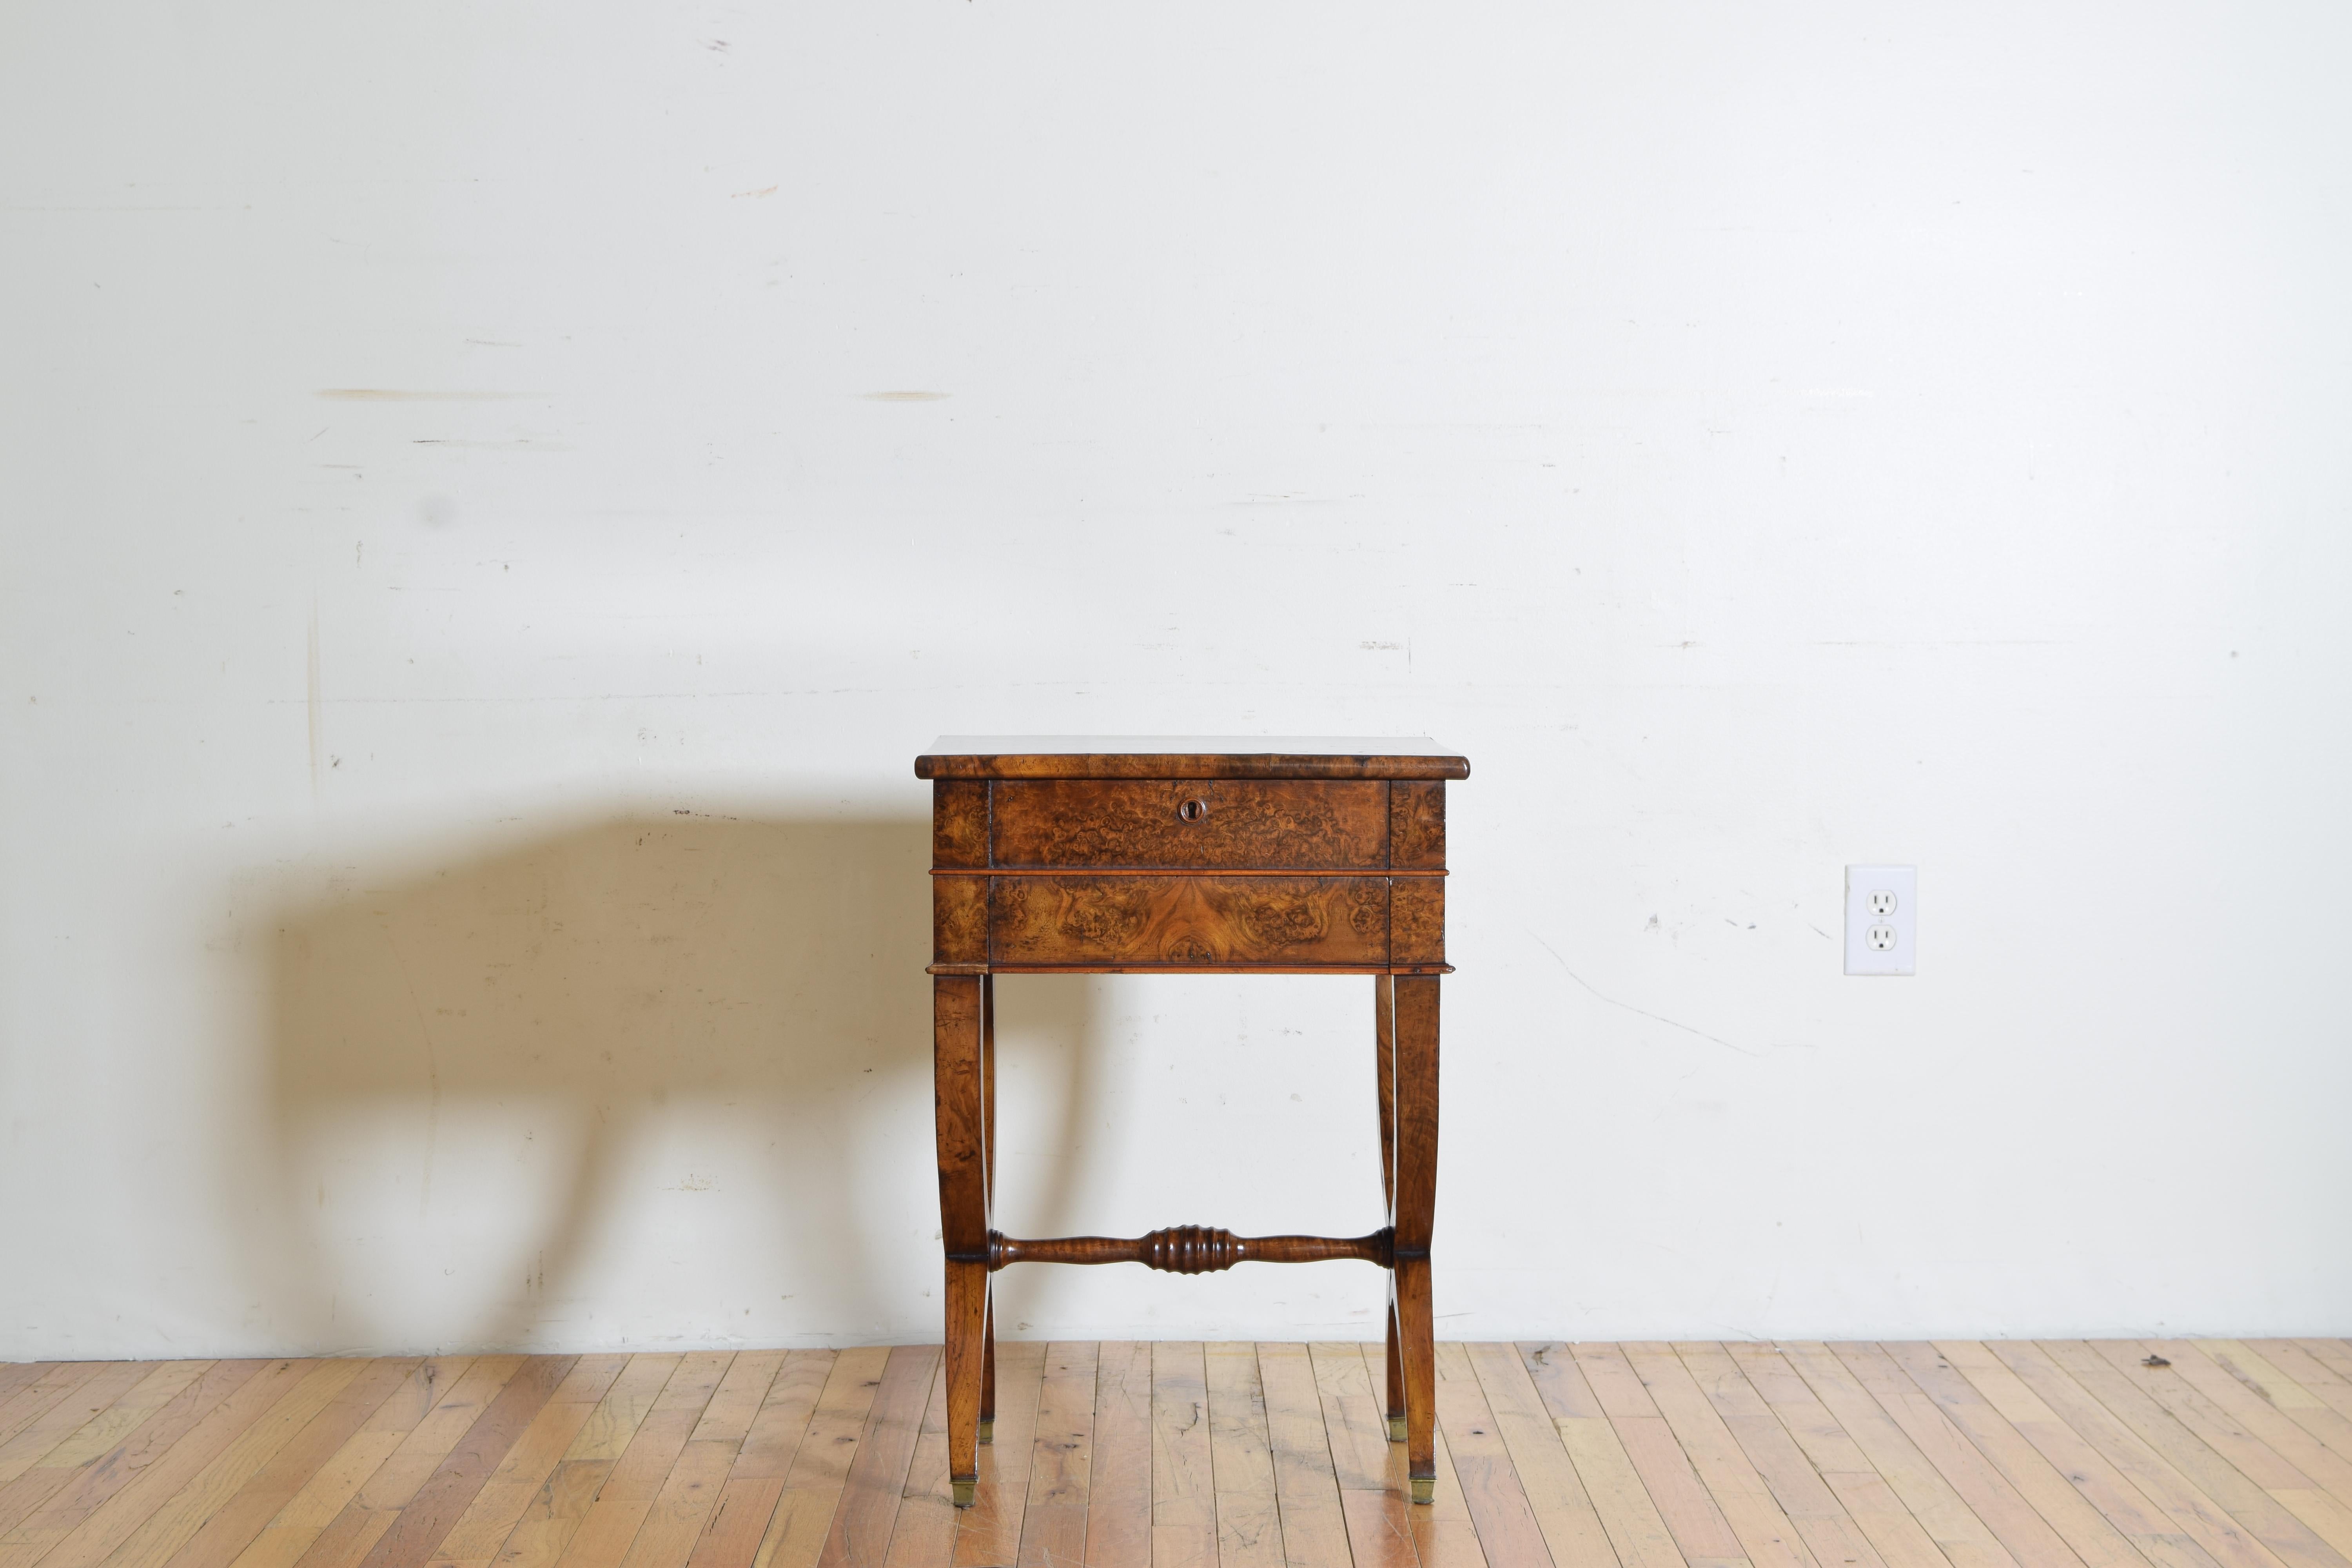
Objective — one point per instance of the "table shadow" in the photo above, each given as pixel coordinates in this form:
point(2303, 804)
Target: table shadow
point(504, 1068)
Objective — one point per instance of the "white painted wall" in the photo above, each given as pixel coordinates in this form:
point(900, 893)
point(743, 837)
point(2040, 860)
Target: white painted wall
point(462, 875)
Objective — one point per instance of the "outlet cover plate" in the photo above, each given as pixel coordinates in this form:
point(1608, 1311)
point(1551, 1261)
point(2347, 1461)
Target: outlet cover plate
point(1879, 940)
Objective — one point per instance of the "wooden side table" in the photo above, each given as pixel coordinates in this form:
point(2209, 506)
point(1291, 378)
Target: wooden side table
point(1197, 856)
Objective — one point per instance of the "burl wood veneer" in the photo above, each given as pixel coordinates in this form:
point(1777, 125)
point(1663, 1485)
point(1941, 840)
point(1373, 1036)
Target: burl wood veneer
point(1191, 824)
point(1201, 856)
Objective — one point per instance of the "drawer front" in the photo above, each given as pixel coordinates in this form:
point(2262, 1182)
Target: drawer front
point(1303, 824)
point(1182, 921)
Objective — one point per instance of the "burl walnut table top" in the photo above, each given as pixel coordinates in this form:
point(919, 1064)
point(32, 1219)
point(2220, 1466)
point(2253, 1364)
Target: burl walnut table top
point(1188, 756)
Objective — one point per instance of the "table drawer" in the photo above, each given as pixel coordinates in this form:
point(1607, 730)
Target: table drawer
point(1305, 825)
point(1188, 921)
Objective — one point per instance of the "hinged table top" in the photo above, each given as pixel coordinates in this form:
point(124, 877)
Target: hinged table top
point(1189, 757)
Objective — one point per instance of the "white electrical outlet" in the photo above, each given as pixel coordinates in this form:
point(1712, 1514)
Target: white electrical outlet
point(1882, 920)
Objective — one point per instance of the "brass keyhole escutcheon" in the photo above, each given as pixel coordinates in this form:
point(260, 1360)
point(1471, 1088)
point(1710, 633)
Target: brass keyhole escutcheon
point(1193, 810)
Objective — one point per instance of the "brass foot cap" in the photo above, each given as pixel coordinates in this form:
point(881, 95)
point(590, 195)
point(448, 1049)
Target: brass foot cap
point(1396, 1428)
point(1424, 1488)
point(988, 1431)
point(964, 1491)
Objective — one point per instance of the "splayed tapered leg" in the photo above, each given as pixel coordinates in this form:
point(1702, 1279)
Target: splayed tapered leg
point(961, 1099)
point(1384, 1063)
point(1416, 1204)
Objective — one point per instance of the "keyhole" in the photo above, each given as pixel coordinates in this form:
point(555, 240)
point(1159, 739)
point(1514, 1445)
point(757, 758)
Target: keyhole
point(1193, 810)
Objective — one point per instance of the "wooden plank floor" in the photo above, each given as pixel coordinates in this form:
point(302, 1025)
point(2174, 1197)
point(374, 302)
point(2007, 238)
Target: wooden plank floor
point(2114, 1454)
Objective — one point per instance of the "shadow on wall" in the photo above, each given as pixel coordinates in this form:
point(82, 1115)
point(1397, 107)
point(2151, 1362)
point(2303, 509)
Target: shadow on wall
point(652, 1081)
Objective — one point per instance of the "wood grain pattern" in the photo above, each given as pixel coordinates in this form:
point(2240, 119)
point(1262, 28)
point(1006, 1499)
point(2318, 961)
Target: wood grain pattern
point(988, 1533)
point(2265, 1517)
point(451, 1488)
point(2281, 1383)
point(84, 1524)
point(1892, 1531)
point(542, 1532)
point(1828, 1530)
point(1307, 1487)
point(17, 1375)
point(1629, 1515)
point(1667, 1473)
point(1763, 1528)
point(1325, 970)
point(2208, 1397)
point(1498, 1505)
point(1417, 826)
point(1585, 1456)
point(959, 1097)
point(837, 1422)
point(87, 1403)
point(1010, 764)
point(1190, 1249)
point(667, 1427)
point(1417, 921)
point(988, 1180)
point(2323, 1367)
point(739, 1396)
point(876, 1480)
point(958, 920)
point(613, 1424)
point(2300, 1484)
point(159, 1391)
point(1183, 1478)
point(1923, 1491)
point(961, 1135)
point(39, 1396)
point(224, 1536)
point(171, 1526)
point(1445, 1533)
point(777, 1430)
point(1363, 1457)
point(2028, 1375)
point(1118, 1490)
point(431, 1421)
point(1124, 862)
point(123, 1430)
point(1946, 1414)
point(959, 823)
point(1416, 1058)
point(1572, 1527)
point(800, 1522)
point(925, 1533)
point(1384, 1097)
point(1385, 1088)
point(1061, 1458)
point(688, 1496)
point(1181, 922)
point(324, 1502)
point(635, 1480)
point(1380, 1532)
point(2104, 1487)
point(1241, 1457)
point(523, 1471)
point(1192, 824)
